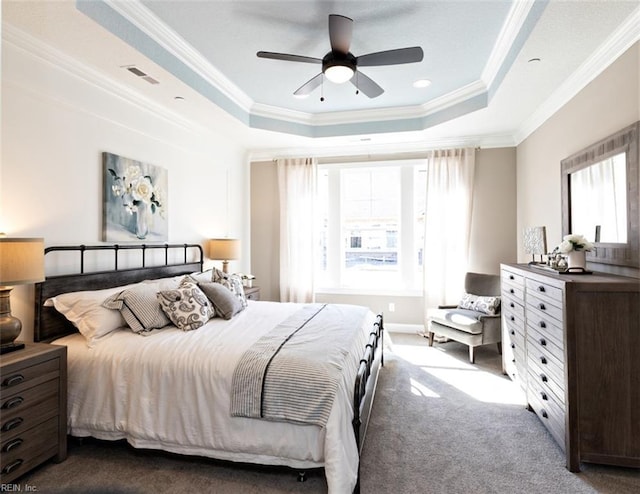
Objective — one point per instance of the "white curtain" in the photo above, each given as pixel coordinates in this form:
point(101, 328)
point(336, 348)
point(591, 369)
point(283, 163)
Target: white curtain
point(297, 186)
point(449, 201)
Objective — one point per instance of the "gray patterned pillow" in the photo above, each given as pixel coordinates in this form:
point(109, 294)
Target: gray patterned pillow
point(225, 303)
point(233, 282)
point(139, 307)
point(486, 305)
point(187, 306)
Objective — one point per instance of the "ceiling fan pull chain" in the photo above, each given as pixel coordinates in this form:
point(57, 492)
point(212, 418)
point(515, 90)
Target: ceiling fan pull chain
point(322, 89)
point(357, 84)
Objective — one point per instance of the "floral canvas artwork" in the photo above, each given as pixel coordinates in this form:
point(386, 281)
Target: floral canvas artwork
point(135, 200)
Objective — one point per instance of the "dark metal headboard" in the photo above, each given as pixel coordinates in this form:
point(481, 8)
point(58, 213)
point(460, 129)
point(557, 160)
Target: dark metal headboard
point(49, 324)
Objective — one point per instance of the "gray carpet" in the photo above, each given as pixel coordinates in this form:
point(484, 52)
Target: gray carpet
point(439, 425)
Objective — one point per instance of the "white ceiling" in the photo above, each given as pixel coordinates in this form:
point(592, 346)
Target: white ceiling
point(484, 89)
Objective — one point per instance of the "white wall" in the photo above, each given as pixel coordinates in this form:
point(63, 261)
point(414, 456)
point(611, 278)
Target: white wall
point(607, 104)
point(55, 126)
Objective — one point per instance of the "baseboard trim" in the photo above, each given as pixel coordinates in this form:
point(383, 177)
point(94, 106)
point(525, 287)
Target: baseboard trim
point(404, 328)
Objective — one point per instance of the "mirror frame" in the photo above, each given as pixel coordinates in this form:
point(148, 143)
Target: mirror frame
point(626, 140)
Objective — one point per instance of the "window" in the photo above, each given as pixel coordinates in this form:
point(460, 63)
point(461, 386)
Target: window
point(370, 225)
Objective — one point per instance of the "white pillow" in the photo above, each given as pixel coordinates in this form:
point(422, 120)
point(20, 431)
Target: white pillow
point(85, 311)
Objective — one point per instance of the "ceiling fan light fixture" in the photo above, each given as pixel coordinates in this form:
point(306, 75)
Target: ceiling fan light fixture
point(339, 73)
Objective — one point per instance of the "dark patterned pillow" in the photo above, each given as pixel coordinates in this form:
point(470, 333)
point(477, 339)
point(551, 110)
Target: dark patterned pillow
point(139, 307)
point(187, 306)
point(233, 282)
point(225, 303)
point(486, 305)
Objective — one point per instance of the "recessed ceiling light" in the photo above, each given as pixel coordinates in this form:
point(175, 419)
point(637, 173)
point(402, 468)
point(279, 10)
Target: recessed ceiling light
point(422, 83)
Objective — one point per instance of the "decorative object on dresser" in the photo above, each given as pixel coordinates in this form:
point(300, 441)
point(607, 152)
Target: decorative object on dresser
point(134, 200)
point(535, 242)
point(225, 250)
point(475, 321)
point(33, 408)
point(21, 262)
point(575, 247)
point(573, 344)
point(600, 197)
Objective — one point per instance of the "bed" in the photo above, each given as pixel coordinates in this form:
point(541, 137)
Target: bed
point(188, 394)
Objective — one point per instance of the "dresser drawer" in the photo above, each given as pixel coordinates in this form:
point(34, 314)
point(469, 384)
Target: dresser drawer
point(15, 450)
point(512, 308)
point(512, 278)
point(16, 422)
point(549, 293)
point(552, 417)
point(545, 323)
point(548, 341)
point(544, 307)
point(28, 376)
point(15, 404)
point(547, 381)
point(544, 359)
point(514, 292)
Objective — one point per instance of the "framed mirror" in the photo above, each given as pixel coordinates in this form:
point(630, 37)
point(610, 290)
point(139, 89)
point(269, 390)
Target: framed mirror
point(600, 195)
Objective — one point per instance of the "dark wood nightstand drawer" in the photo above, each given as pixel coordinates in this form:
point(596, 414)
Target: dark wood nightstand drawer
point(16, 451)
point(33, 408)
point(28, 376)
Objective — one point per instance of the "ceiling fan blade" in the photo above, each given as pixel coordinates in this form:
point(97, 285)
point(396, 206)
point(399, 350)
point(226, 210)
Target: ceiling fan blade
point(391, 57)
point(288, 57)
point(309, 86)
point(366, 85)
point(340, 31)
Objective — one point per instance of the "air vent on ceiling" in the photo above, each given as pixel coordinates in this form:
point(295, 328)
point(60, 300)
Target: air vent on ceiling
point(136, 71)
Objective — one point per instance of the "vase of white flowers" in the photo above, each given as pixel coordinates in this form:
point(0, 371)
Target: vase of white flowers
point(576, 247)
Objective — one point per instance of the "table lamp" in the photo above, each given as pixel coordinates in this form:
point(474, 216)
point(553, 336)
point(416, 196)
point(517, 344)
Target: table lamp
point(225, 250)
point(21, 262)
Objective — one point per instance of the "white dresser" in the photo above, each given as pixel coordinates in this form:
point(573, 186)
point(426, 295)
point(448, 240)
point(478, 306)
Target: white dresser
point(573, 344)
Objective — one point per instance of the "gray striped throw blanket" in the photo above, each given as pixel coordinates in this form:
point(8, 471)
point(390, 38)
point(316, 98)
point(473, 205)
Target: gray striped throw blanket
point(292, 373)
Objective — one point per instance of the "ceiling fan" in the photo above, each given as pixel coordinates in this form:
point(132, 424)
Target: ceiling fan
point(340, 65)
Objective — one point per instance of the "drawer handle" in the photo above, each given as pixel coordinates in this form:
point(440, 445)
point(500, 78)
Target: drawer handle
point(512, 318)
point(544, 396)
point(12, 445)
point(543, 360)
point(12, 424)
point(511, 290)
point(543, 342)
point(13, 380)
point(545, 414)
point(543, 378)
point(541, 288)
point(541, 307)
point(512, 332)
point(513, 345)
point(542, 324)
point(12, 403)
point(12, 466)
point(511, 277)
point(512, 305)
point(513, 360)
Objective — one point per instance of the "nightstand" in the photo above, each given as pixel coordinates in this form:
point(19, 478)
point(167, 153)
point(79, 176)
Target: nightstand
point(33, 408)
point(252, 293)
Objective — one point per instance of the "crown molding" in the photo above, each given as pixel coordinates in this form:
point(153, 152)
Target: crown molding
point(355, 146)
point(506, 38)
point(620, 41)
point(52, 56)
point(141, 17)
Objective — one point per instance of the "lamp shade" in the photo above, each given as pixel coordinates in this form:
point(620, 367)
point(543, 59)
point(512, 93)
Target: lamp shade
point(21, 261)
point(224, 249)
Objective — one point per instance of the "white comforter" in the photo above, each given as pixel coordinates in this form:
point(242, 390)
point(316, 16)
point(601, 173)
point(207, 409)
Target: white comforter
point(171, 391)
